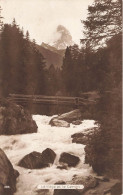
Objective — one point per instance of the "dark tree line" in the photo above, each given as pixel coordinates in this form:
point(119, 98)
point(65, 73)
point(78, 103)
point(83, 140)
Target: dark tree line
point(87, 69)
point(104, 150)
point(98, 66)
point(53, 81)
point(103, 31)
point(84, 70)
point(21, 65)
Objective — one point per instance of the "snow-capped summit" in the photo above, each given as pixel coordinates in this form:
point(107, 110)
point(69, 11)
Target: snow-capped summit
point(64, 39)
point(54, 50)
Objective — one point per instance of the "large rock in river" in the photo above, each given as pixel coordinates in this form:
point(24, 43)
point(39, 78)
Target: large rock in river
point(7, 175)
point(63, 120)
point(87, 182)
point(71, 116)
point(84, 136)
point(14, 119)
point(37, 160)
point(59, 123)
point(69, 159)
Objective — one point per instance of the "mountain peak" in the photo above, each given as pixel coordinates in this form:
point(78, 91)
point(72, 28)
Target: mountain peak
point(64, 38)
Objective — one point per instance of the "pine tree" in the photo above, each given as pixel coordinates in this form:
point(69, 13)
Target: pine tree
point(67, 70)
point(27, 35)
point(1, 22)
point(14, 22)
point(104, 21)
point(22, 66)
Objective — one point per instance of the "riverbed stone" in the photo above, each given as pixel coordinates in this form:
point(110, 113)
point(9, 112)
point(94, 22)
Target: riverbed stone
point(7, 175)
point(62, 167)
point(59, 123)
point(87, 181)
point(14, 119)
point(37, 160)
point(84, 136)
point(65, 119)
point(69, 159)
point(71, 116)
point(16, 173)
point(77, 122)
point(48, 156)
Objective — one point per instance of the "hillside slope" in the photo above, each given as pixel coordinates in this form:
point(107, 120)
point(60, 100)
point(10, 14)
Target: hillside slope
point(51, 55)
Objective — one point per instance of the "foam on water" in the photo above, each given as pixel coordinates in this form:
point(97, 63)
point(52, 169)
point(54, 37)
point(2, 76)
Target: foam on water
point(56, 138)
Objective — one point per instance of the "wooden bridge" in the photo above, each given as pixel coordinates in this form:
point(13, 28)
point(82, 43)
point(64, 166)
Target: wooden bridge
point(55, 100)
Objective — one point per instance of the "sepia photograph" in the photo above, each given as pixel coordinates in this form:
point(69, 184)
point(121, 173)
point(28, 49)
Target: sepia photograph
point(61, 97)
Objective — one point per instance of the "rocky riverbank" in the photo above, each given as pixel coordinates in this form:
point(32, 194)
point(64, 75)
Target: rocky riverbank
point(53, 155)
point(14, 119)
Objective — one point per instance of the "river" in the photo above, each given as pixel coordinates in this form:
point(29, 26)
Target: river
point(56, 138)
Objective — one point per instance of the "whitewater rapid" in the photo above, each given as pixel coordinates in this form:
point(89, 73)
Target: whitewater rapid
point(56, 138)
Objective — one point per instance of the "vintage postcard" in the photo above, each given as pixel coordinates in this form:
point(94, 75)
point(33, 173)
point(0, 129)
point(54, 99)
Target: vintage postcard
point(60, 97)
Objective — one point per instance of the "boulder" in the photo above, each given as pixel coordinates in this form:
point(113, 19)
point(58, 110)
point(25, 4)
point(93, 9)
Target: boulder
point(84, 136)
point(59, 123)
point(77, 122)
point(14, 119)
point(37, 160)
point(69, 159)
point(7, 175)
point(32, 161)
point(16, 173)
point(71, 116)
point(62, 167)
point(63, 120)
point(87, 181)
point(81, 139)
point(48, 156)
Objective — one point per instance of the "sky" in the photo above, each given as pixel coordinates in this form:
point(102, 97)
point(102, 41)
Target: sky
point(41, 17)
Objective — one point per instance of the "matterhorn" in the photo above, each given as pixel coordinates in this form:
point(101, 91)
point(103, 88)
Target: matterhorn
point(64, 39)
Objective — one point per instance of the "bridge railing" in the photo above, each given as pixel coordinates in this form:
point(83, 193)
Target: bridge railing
point(49, 99)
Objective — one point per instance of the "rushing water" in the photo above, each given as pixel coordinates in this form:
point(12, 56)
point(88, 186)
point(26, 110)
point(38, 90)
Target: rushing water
point(56, 138)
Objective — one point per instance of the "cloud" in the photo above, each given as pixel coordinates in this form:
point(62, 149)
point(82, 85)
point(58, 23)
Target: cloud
point(41, 17)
